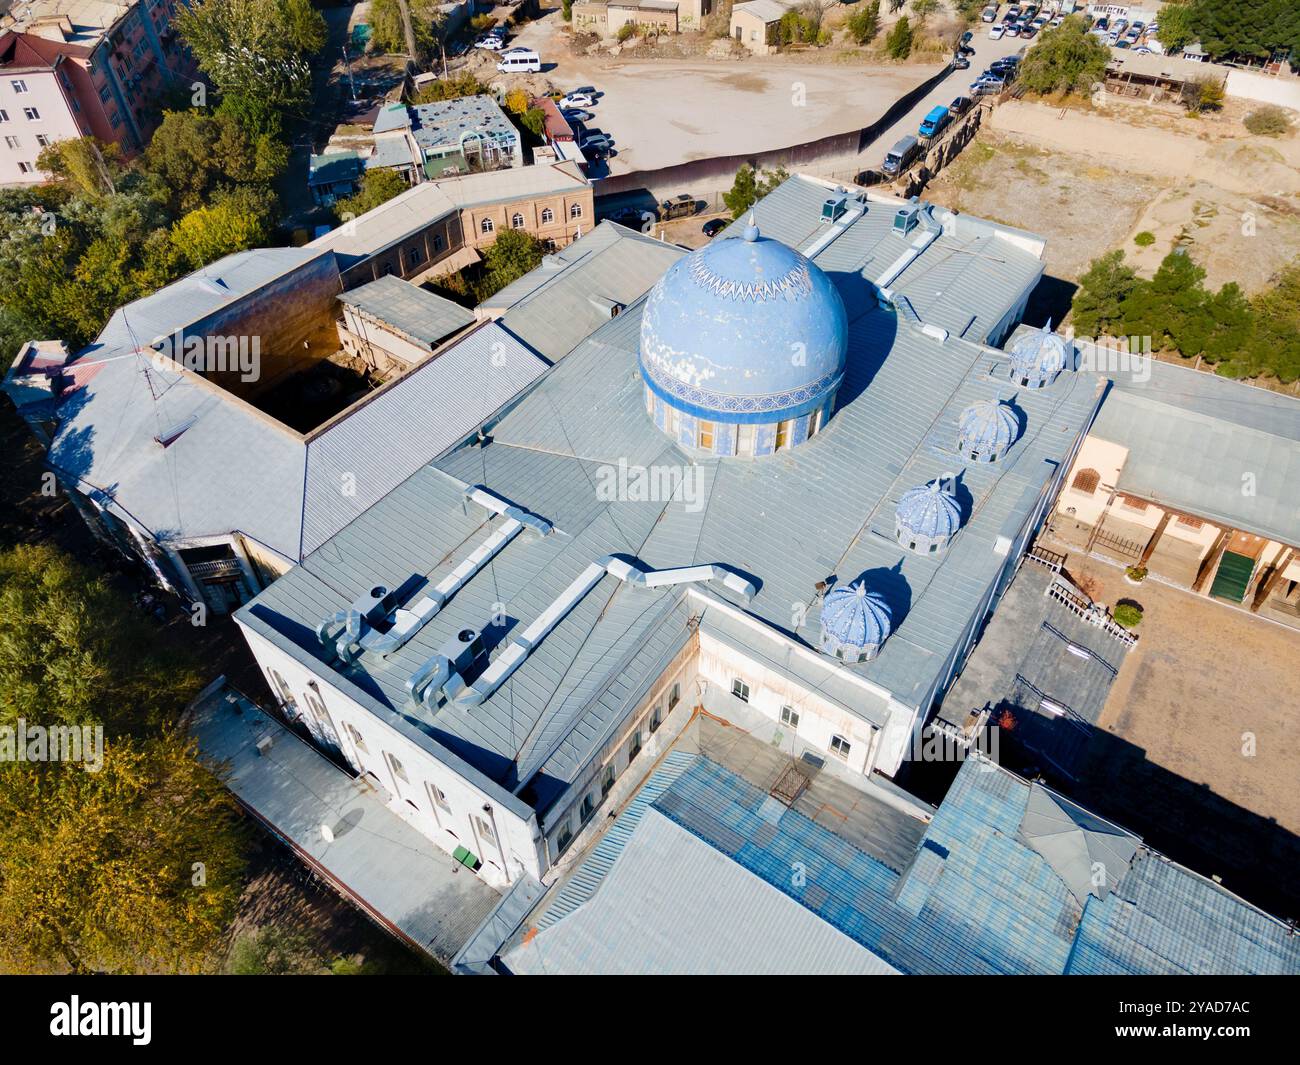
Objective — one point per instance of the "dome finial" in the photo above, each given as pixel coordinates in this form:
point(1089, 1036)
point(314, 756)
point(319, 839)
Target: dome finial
point(751, 228)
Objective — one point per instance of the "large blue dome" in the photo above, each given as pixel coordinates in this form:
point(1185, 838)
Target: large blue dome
point(855, 622)
point(744, 331)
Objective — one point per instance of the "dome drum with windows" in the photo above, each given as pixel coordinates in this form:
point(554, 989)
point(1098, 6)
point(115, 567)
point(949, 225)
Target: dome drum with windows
point(927, 517)
point(855, 623)
point(743, 347)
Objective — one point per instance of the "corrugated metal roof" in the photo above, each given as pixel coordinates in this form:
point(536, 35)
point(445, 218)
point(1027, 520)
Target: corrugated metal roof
point(1217, 448)
point(423, 316)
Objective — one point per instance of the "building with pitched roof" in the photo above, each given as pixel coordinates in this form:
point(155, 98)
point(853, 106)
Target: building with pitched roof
point(717, 866)
point(582, 574)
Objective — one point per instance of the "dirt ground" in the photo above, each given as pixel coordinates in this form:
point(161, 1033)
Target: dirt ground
point(1092, 179)
point(1196, 746)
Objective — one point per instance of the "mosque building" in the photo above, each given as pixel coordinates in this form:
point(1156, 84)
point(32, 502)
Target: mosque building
point(845, 471)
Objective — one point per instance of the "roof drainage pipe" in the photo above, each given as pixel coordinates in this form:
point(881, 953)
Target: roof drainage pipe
point(523, 645)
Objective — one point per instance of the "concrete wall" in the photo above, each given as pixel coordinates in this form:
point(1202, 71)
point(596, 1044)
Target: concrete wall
point(1264, 88)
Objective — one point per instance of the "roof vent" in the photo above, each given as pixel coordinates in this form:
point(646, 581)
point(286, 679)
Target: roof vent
point(906, 219)
point(834, 207)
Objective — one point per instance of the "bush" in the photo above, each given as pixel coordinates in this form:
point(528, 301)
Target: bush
point(1203, 94)
point(626, 32)
point(1144, 239)
point(482, 23)
point(864, 23)
point(1128, 614)
point(1268, 121)
point(899, 41)
point(1136, 573)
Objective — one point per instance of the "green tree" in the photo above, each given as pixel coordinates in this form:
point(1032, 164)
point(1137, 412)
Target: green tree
point(566, 10)
point(97, 861)
point(274, 951)
point(465, 84)
point(513, 254)
point(1102, 290)
point(1176, 31)
point(389, 35)
point(751, 186)
point(1203, 94)
point(306, 26)
point(898, 42)
point(194, 154)
point(377, 187)
point(236, 220)
point(864, 23)
point(89, 166)
point(1066, 59)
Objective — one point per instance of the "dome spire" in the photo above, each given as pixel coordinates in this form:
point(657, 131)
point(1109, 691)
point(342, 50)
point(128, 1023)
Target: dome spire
point(751, 228)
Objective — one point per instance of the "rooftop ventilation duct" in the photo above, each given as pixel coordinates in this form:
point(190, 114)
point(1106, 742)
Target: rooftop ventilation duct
point(428, 685)
point(374, 623)
point(630, 572)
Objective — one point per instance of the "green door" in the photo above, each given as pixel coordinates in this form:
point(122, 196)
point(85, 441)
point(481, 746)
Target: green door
point(1232, 577)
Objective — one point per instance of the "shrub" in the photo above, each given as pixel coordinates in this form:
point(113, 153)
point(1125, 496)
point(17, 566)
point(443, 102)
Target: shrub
point(1136, 573)
point(1144, 239)
point(899, 41)
point(482, 23)
point(1268, 121)
point(1128, 614)
point(626, 32)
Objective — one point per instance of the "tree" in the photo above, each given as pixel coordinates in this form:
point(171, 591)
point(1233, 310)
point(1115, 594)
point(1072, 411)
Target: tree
point(250, 50)
point(566, 10)
point(1203, 93)
point(513, 254)
point(377, 187)
point(751, 186)
point(194, 153)
point(1176, 31)
point(388, 27)
point(88, 165)
point(864, 23)
point(306, 26)
point(97, 858)
point(236, 220)
point(1102, 290)
point(1066, 59)
point(898, 43)
point(465, 84)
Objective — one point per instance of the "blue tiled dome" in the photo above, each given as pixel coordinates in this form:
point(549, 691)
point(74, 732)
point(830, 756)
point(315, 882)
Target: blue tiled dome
point(929, 512)
point(1038, 357)
point(744, 330)
point(855, 622)
point(986, 429)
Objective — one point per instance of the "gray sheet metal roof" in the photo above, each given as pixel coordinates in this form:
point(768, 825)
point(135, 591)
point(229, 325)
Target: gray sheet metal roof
point(333, 166)
point(406, 424)
point(378, 857)
point(652, 916)
point(561, 303)
point(1217, 448)
point(790, 522)
point(390, 151)
point(422, 316)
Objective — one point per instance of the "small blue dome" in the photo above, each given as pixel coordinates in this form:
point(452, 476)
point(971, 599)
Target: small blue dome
point(1037, 357)
point(855, 622)
point(744, 330)
point(986, 429)
point(929, 511)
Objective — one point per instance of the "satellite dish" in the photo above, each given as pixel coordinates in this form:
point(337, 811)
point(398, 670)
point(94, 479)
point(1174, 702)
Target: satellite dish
point(327, 833)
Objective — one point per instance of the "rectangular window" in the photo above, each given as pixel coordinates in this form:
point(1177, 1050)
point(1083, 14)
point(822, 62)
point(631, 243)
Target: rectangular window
point(607, 781)
point(745, 440)
point(398, 771)
point(357, 741)
point(789, 716)
point(705, 436)
point(19, 87)
point(564, 838)
point(840, 746)
point(740, 690)
point(656, 718)
point(634, 748)
point(783, 434)
point(31, 114)
point(105, 93)
point(587, 809)
point(439, 798)
point(674, 696)
point(26, 168)
point(11, 142)
point(42, 140)
point(484, 829)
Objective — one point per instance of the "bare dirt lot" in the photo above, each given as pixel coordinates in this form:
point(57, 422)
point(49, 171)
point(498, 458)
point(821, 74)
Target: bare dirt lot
point(1196, 747)
point(1091, 180)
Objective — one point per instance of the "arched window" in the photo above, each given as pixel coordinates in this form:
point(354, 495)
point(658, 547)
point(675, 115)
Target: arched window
point(486, 225)
point(516, 221)
point(548, 216)
point(575, 210)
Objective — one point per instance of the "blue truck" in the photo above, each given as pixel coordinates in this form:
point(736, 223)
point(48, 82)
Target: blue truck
point(933, 122)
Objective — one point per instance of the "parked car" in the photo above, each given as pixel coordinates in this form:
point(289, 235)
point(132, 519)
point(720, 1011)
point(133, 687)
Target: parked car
point(933, 122)
point(960, 105)
point(573, 115)
point(713, 227)
point(578, 100)
point(678, 207)
point(989, 14)
point(584, 90)
point(966, 37)
point(996, 32)
point(492, 44)
point(1013, 29)
point(986, 85)
point(595, 137)
point(960, 62)
point(631, 217)
point(900, 155)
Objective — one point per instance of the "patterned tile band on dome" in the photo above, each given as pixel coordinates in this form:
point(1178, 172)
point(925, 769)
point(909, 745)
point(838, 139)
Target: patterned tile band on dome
point(720, 401)
point(796, 282)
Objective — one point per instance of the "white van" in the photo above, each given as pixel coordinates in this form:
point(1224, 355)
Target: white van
point(520, 61)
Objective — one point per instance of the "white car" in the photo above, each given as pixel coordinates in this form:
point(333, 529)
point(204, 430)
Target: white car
point(995, 33)
point(492, 44)
point(578, 100)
